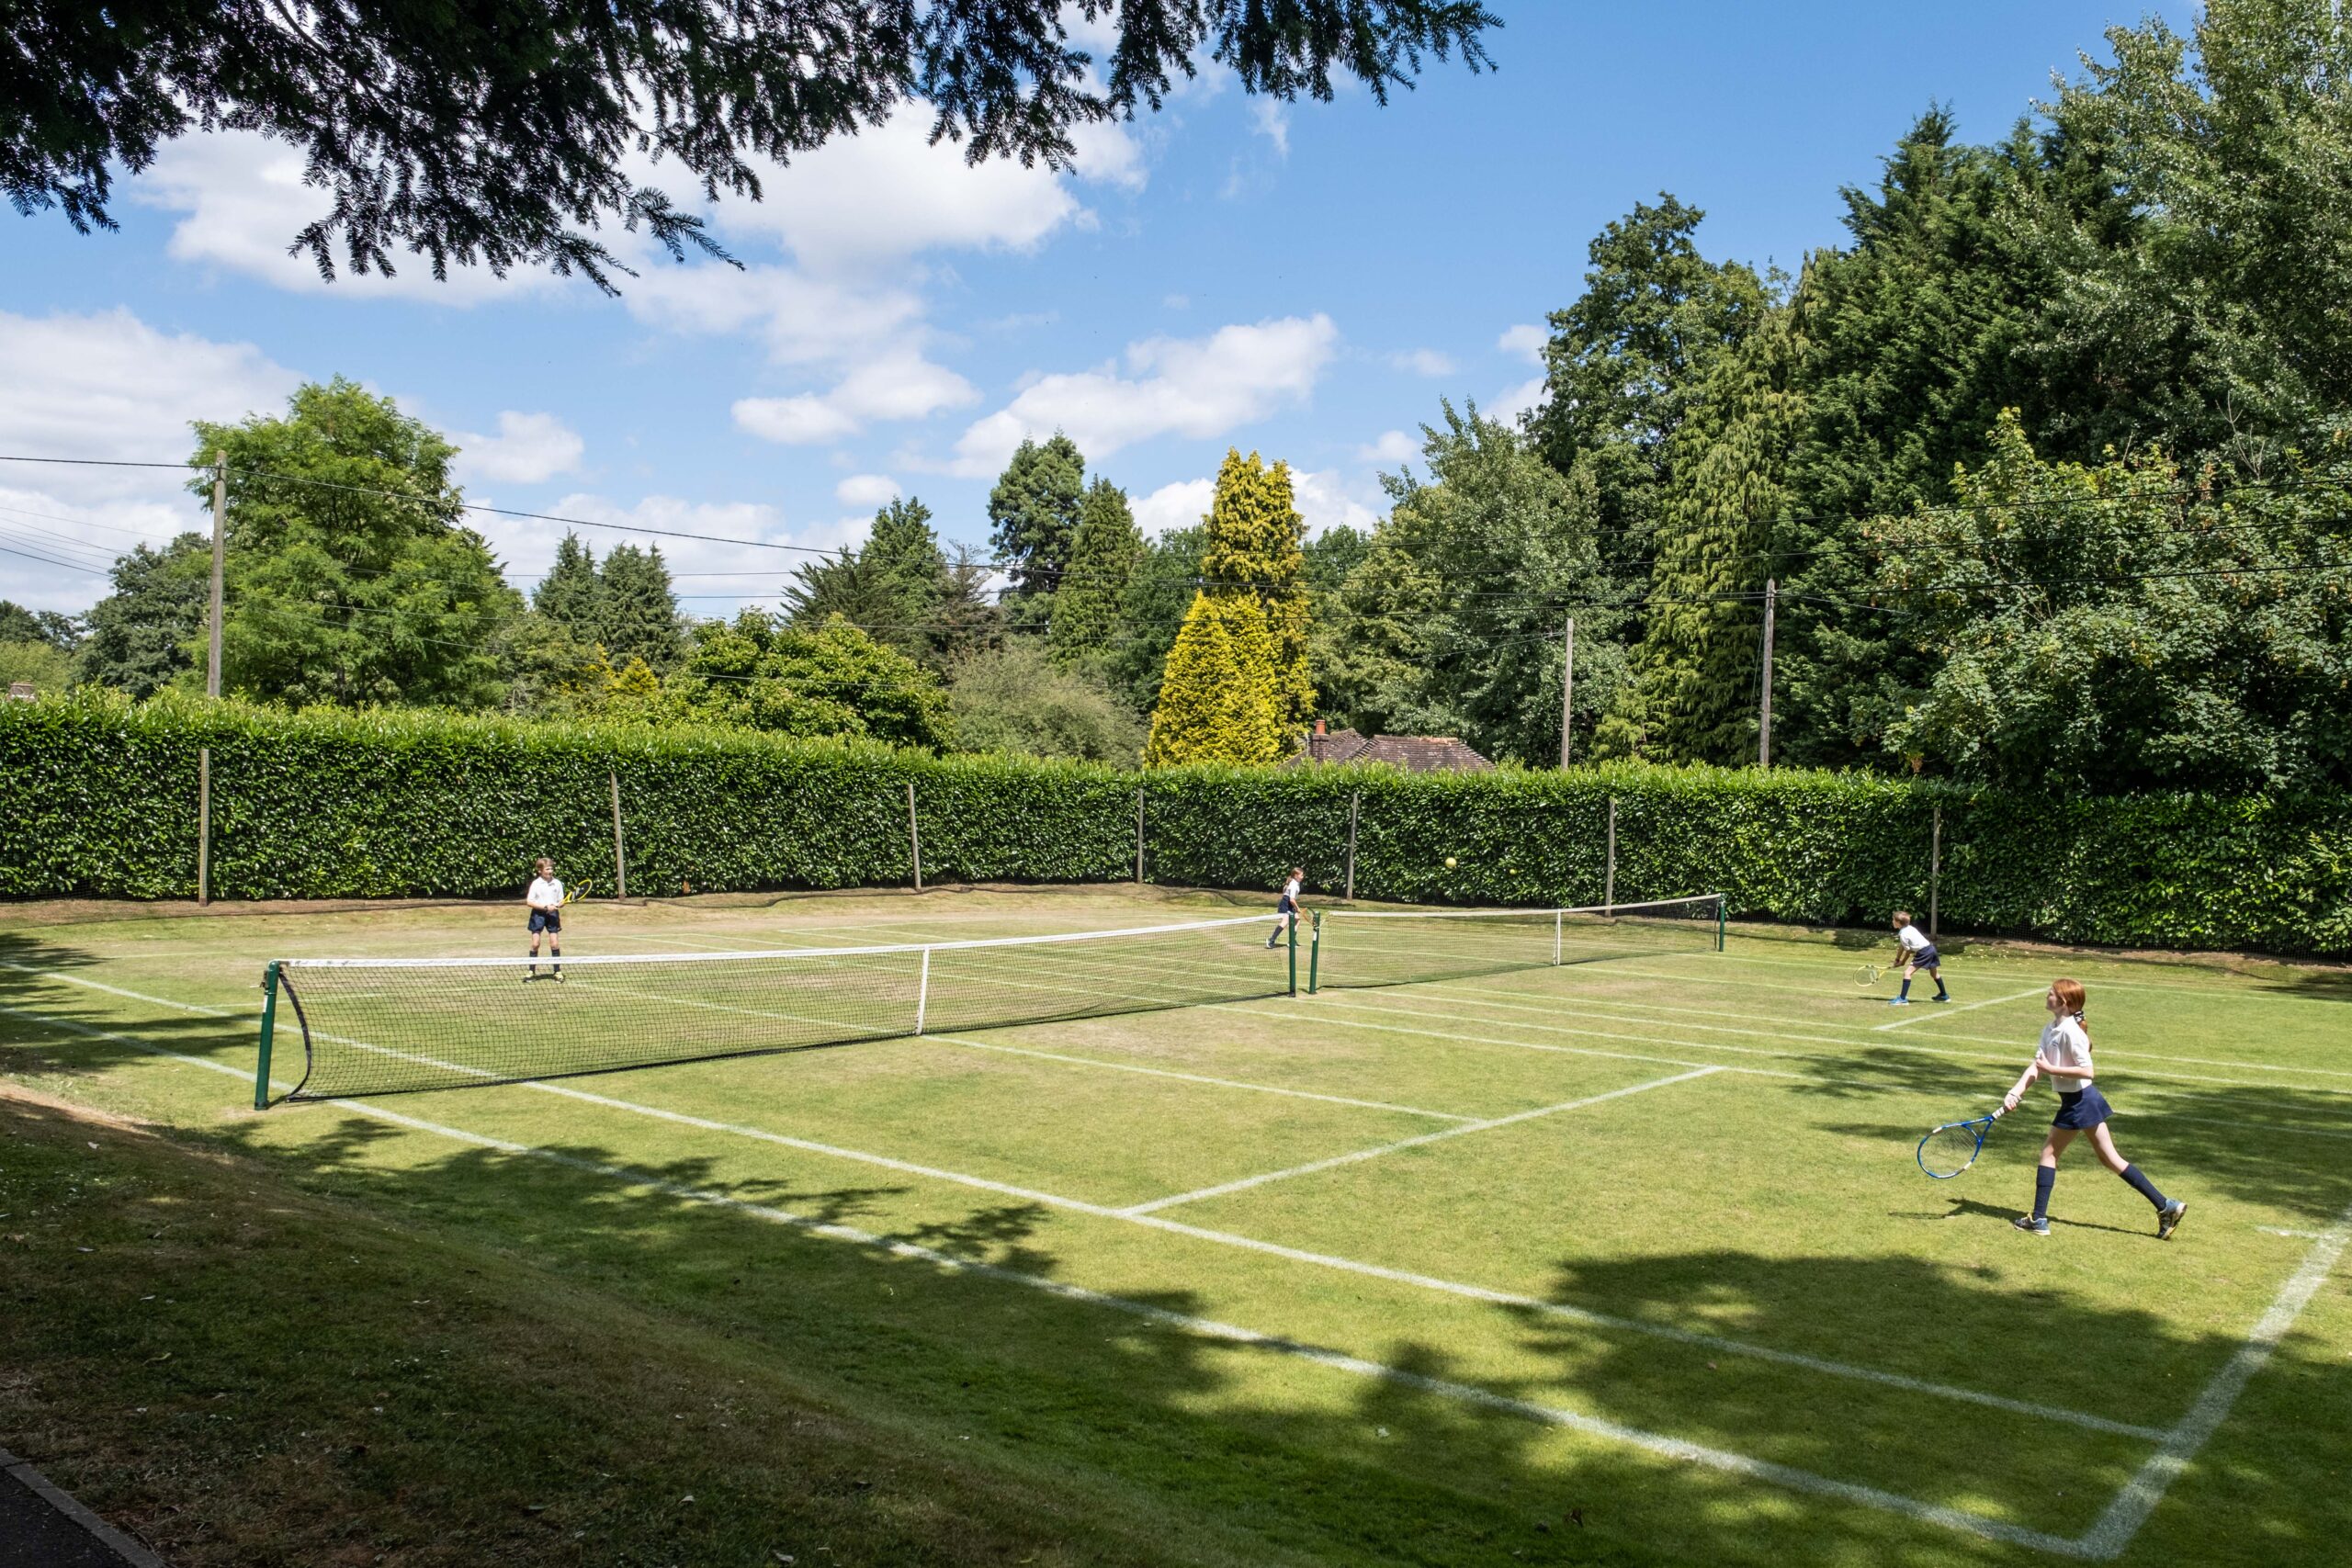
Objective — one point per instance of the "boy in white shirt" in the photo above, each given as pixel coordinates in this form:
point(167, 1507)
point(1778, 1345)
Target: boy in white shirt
point(546, 899)
point(1287, 911)
point(1918, 954)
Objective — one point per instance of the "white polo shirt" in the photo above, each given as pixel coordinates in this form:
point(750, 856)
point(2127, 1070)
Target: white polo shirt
point(2067, 1044)
point(1912, 939)
point(545, 891)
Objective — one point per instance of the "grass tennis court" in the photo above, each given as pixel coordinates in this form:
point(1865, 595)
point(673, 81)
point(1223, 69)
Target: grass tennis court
point(1624, 1261)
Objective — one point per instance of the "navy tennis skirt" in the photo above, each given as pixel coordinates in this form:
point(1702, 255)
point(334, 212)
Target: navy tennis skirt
point(2083, 1109)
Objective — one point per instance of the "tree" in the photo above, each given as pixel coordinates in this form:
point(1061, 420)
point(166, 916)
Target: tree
point(20, 624)
point(1019, 699)
point(570, 594)
point(830, 679)
point(2210, 300)
point(1104, 553)
point(637, 612)
point(1255, 535)
point(142, 636)
point(1034, 513)
point(1217, 701)
point(1159, 594)
point(1626, 360)
point(348, 577)
point(43, 666)
point(1691, 696)
point(901, 587)
point(1452, 621)
point(2106, 628)
point(507, 136)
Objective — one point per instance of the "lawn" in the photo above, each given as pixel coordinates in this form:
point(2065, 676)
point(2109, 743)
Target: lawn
point(1623, 1261)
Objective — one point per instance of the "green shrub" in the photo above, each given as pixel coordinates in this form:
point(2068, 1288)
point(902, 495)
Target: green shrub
point(100, 796)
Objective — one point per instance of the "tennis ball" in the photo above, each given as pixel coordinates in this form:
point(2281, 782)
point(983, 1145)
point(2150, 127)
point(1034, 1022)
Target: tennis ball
point(1451, 862)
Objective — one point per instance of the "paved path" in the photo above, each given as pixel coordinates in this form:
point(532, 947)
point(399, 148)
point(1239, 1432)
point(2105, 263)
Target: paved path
point(42, 1528)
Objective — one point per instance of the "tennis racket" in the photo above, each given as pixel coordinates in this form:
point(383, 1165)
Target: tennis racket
point(573, 895)
point(1952, 1147)
point(1867, 976)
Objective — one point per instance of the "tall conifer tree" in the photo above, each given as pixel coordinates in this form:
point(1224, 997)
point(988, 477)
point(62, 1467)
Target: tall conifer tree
point(569, 593)
point(1033, 514)
point(1256, 540)
point(1695, 672)
point(637, 612)
point(1102, 559)
point(1215, 704)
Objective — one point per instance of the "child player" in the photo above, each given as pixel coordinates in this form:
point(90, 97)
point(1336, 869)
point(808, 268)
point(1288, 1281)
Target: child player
point(1918, 954)
point(1287, 911)
point(2064, 1055)
point(546, 899)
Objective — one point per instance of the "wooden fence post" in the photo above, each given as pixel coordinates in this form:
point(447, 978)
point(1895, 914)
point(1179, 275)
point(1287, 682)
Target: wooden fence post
point(204, 825)
point(1138, 835)
point(1609, 888)
point(915, 835)
point(1935, 867)
point(621, 851)
point(1356, 800)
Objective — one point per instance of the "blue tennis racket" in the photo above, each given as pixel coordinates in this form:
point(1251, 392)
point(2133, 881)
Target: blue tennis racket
point(1952, 1147)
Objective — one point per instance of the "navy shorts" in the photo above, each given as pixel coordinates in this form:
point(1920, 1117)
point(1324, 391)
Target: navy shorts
point(1285, 905)
point(2083, 1109)
point(1925, 958)
point(548, 921)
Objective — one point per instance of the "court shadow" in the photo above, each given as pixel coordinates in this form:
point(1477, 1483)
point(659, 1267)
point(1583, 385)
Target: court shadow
point(75, 1030)
point(1408, 1428)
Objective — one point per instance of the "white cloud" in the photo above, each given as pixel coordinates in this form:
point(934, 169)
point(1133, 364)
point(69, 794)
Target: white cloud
point(1195, 386)
point(1177, 301)
point(1393, 446)
point(1270, 119)
point(899, 385)
point(1325, 501)
point(1174, 506)
point(1513, 402)
point(108, 386)
point(866, 490)
point(528, 447)
point(243, 199)
point(803, 420)
point(1524, 342)
point(803, 320)
point(889, 192)
point(1423, 362)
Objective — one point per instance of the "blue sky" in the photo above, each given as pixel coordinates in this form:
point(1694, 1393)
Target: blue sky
point(1306, 281)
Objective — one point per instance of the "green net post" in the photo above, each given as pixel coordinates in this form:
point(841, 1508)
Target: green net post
point(268, 1027)
point(1720, 901)
point(1314, 954)
point(1293, 953)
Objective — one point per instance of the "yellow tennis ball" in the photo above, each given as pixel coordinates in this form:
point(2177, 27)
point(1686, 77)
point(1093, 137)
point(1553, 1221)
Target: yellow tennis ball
point(1451, 862)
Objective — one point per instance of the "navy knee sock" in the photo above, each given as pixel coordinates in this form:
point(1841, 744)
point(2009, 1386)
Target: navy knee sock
point(2144, 1186)
point(2045, 1177)
point(1907, 987)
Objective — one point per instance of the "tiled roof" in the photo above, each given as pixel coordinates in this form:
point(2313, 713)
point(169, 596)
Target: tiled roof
point(1413, 753)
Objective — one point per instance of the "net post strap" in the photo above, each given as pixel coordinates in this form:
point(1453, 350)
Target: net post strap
point(923, 991)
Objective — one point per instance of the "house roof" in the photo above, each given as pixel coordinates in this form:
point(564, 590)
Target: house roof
point(1413, 753)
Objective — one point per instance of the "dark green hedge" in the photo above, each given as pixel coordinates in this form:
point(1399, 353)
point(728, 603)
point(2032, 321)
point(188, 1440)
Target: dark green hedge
point(100, 798)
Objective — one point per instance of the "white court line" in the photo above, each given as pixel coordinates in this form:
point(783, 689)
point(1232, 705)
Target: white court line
point(1311, 1167)
point(2298, 1235)
point(1324, 1260)
point(2138, 1499)
point(1537, 1044)
point(1786, 1477)
point(1196, 1078)
point(1944, 1009)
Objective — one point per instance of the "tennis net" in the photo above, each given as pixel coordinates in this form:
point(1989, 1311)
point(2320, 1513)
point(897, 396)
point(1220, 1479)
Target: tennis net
point(385, 1025)
point(1379, 947)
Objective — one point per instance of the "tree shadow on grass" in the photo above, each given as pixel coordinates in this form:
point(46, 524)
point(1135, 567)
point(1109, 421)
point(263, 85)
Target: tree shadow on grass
point(1410, 1466)
point(75, 1030)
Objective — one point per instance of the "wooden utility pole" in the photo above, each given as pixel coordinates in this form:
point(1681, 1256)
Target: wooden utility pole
point(211, 687)
point(1764, 713)
point(1567, 691)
